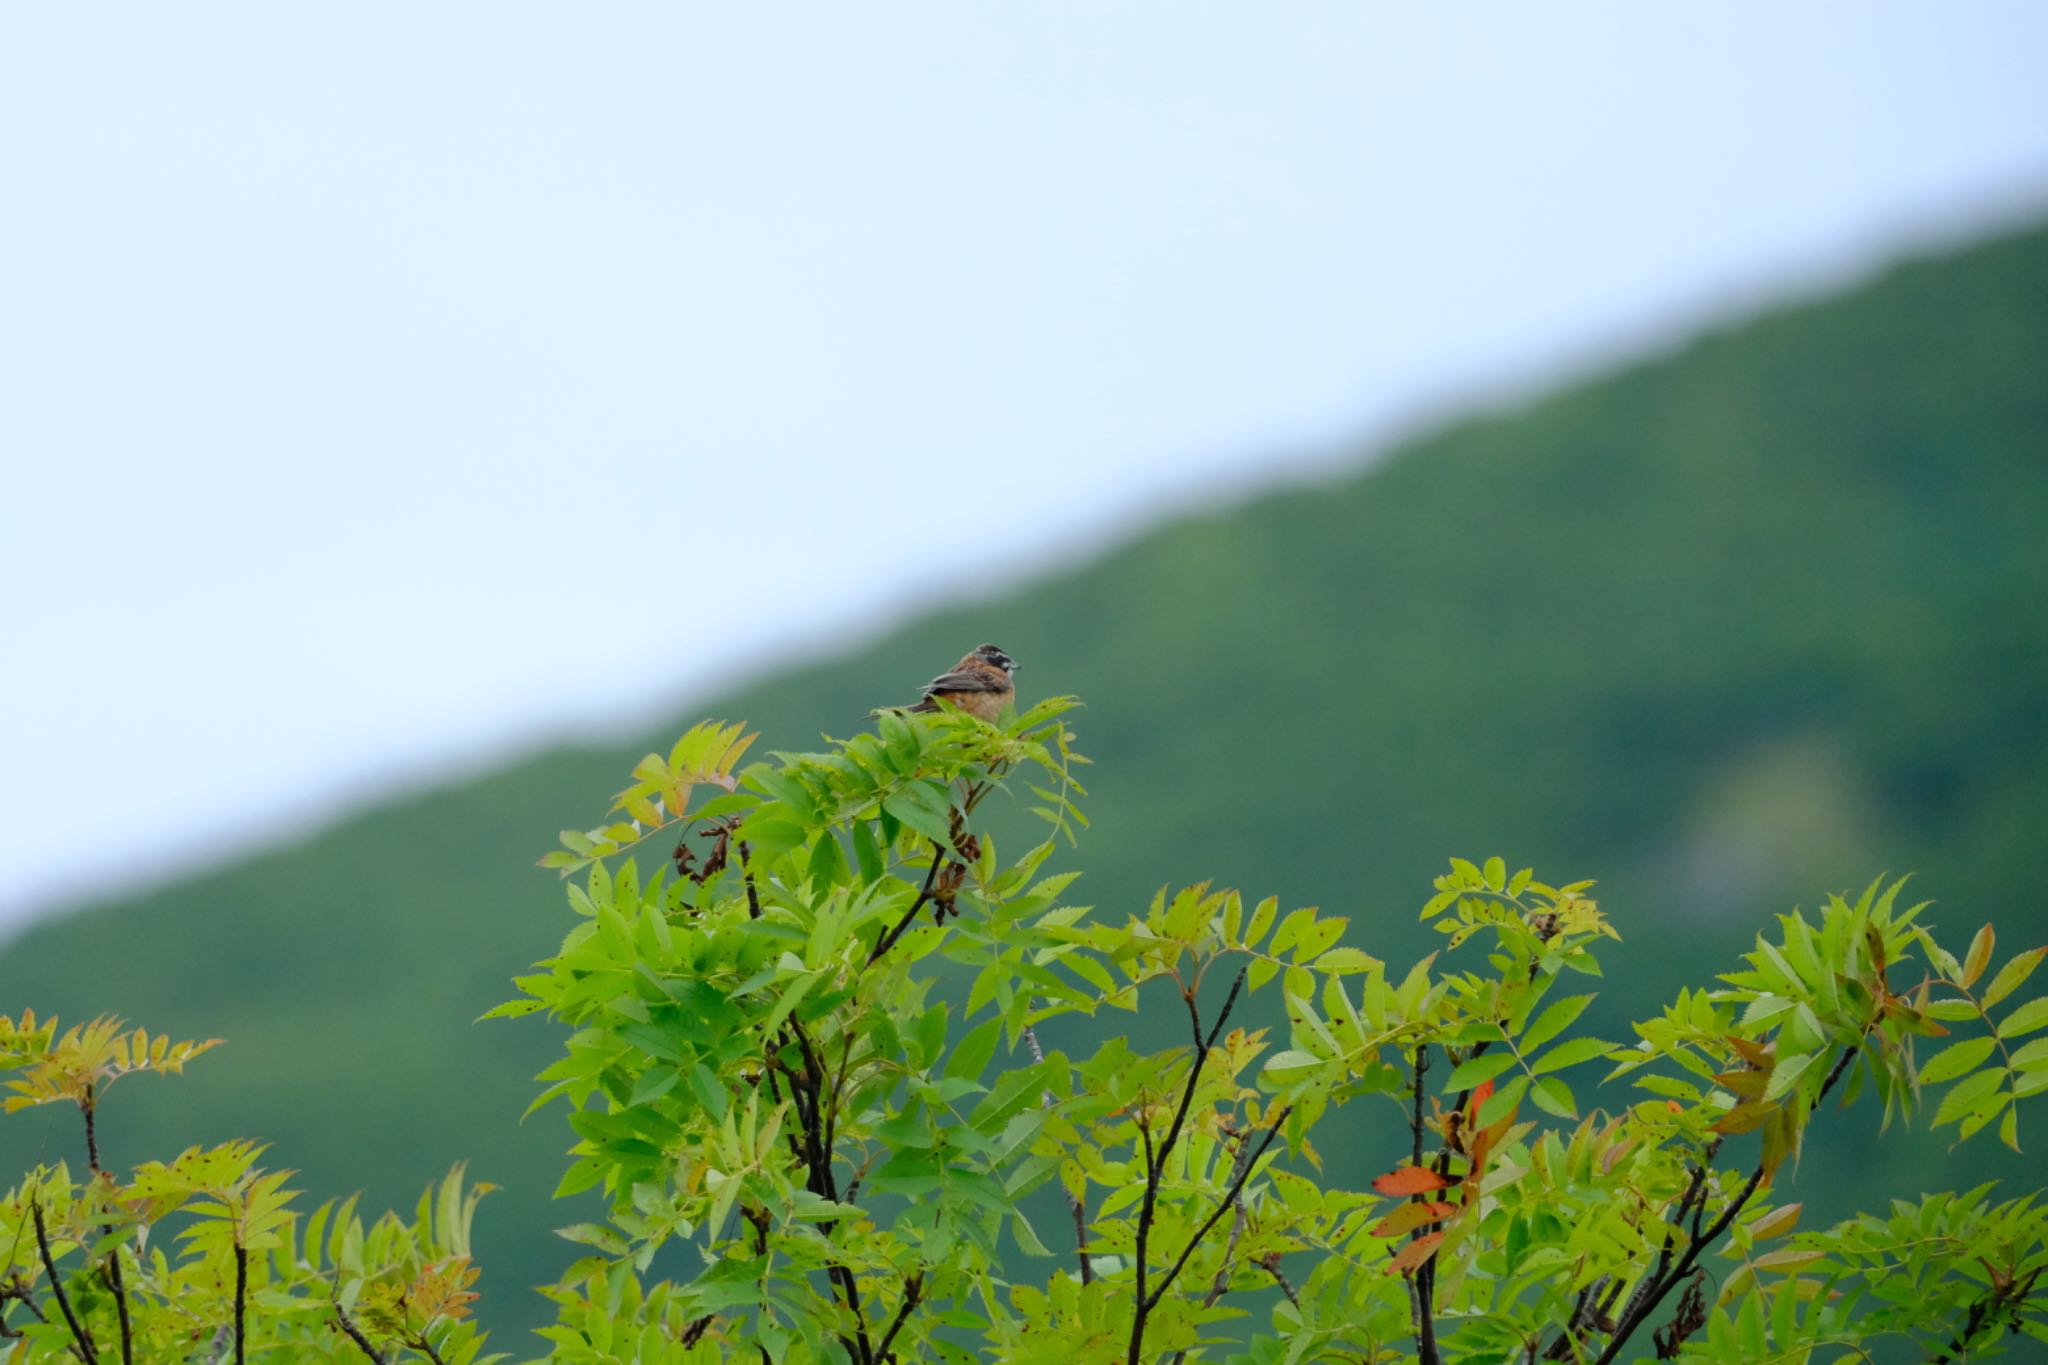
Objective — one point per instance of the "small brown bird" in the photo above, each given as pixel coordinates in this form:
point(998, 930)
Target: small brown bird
point(979, 684)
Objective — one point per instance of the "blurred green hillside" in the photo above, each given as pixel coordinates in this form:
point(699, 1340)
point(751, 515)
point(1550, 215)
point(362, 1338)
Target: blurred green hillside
point(1746, 623)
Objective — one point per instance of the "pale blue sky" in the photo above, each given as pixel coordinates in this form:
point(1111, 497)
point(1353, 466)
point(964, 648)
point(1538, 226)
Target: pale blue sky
point(371, 375)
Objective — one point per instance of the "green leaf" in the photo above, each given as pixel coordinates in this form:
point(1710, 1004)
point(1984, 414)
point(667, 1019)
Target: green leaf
point(1346, 959)
point(704, 1084)
point(1553, 1096)
point(2011, 976)
point(1786, 1074)
point(1952, 1062)
point(827, 866)
point(972, 1053)
point(1571, 1052)
point(867, 852)
point(1473, 1071)
point(1963, 1096)
point(2025, 1019)
point(1554, 1020)
point(924, 806)
point(1027, 1239)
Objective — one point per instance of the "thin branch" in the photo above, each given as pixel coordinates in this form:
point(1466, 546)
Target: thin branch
point(1155, 1160)
point(1203, 1046)
point(1140, 1306)
point(816, 1155)
point(88, 1107)
point(924, 895)
point(92, 1141)
point(355, 1334)
point(1271, 1265)
point(83, 1344)
point(1650, 1292)
point(1221, 1285)
point(2010, 1299)
point(913, 1290)
point(1236, 1187)
point(119, 1287)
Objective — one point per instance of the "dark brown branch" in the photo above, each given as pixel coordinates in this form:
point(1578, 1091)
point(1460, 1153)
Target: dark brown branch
point(355, 1334)
point(815, 1153)
point(83, 1346)
point(1155, 1160)
point(92, 1141)
point(924, 896)
point(16, 1289)
point(1140, 1306)
point(1219, 1286)
point(1422, 1285)
point(241, 1303)
point(118, 1286)
point(88, 1107)
point(913, 1289)
point(1271, 1265)
point(2008, 1299)
point(1228, 1200)
point(1651, 1291)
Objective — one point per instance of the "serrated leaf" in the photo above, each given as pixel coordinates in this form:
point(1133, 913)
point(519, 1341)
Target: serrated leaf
point(1953, 1061)
point(1471, 1072)
point(1555, 1019)
point(2012, 975)
point(2025, 1019)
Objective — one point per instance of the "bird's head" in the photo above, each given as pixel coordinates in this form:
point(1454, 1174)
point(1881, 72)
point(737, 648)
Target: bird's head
point(993, 654)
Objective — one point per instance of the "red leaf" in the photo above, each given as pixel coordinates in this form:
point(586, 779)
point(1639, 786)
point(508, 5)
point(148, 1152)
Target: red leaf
point(1414, 1254)
point(1481, 1093)
point(1409, 1180)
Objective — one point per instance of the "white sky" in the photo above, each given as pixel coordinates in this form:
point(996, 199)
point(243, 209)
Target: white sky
point(369, 373)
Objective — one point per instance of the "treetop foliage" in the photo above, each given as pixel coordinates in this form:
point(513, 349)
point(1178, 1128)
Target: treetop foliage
point(805, 1073)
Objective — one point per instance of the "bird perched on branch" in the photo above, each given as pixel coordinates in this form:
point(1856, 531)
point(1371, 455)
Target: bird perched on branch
point(980, 684)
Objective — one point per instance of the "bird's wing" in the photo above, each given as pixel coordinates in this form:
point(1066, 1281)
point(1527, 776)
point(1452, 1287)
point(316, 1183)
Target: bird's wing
point(967, 680)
